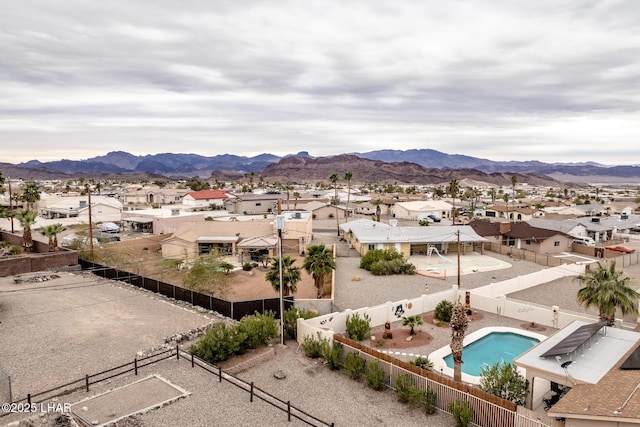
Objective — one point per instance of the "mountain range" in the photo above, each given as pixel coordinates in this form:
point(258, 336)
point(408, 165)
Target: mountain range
point(402, 166)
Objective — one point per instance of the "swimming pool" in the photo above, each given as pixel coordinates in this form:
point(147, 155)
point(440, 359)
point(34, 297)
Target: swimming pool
point(486, 346)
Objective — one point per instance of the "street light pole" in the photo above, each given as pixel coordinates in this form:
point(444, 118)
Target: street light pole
point(280, 227)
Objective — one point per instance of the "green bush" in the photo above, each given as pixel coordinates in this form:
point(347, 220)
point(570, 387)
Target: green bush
point(312, 346)
point(247, 266)
point(504, 380)
point(355, 365)
point(357, 327)
point(422, 362)
point(219, 343)
point(332, 352)
point(258, 329)
point(462, 413)
point(443, 311)
point(386, 262)
point(376, 377)
point(291, 320)
point(407, 392)
point(429, 400)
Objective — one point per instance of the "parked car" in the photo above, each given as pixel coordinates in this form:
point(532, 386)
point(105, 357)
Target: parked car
point(584, 241)
point(433, 218)
point(618, 248)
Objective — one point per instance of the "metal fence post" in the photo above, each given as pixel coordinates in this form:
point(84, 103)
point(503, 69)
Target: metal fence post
point(29, 398)
point(86, 380)
point(251, 395)
point(177, 352)
point(135, 366)
point(289, 410)
point(219, 374)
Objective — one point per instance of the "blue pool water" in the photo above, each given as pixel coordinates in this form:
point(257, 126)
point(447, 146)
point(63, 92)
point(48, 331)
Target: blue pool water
point(492, 348)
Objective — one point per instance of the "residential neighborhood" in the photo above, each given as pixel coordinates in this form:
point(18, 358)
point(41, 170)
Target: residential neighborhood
point(463, 240)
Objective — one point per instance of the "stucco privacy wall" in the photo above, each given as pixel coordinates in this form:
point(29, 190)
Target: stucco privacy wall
point(527, 281)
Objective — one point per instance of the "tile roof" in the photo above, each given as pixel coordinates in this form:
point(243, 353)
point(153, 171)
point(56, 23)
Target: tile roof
point(208, 194)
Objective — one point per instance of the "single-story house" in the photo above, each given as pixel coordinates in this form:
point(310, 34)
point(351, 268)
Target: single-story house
point(103, 208)
point(597, 370)
point(511, 213)
point(205, 199)
point(158, 221)
point(522, 235)
point(419, 209)
point(364, 235)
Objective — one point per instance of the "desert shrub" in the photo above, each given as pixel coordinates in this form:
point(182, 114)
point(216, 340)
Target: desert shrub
point(357, 327)
point(395, 265)
point(462, 413)
point(247, 266)
point(291, 320)
point(429, 400)
point(258, 329)
point(312, 346)
point(422, 362)
point(407, 392)
point(443, 311)
point(332, 352)
point(376, 377)
point(377, 255)
point(219, 343)
point(354, 364)
point(504, 380)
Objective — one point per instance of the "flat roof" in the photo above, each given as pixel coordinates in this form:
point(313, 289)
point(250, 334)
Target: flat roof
point(589, 362)
point(215, 239)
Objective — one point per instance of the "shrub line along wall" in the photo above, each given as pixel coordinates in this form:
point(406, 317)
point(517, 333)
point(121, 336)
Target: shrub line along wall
point(233, 309)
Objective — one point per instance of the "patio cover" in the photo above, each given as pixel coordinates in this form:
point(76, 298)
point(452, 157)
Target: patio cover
point(259, 242)
point(139, 219)
point(217, 239)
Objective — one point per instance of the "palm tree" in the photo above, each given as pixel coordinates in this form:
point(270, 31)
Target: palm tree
point(412, 322)
point(334, 179)
point(30, 194)
point(453, 189)
point(26, 218)
point(52, 231)
point(296, 196)
point(290, 275)
point(459, 324)
point(319, 263)
point(377, 203)
point(347, 177)
point(492, 193)
point(505, 197)
point(607, 289)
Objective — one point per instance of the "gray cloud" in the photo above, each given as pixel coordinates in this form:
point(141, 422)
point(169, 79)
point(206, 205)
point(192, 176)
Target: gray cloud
point(506, 80)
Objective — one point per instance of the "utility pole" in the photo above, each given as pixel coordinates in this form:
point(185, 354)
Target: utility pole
point(90, 223)
point(280, 227)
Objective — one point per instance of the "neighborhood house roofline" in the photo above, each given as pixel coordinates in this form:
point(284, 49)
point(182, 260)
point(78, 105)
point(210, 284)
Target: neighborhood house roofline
point(139, 219)
point(373, 233)
point(217, 239)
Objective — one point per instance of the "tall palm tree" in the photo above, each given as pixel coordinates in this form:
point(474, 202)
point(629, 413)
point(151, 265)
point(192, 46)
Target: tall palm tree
point(452, 190)
point(377, 203)
point(296, 196)
point(514, 181)
point(319, 263)
point(492, 193)
point(334, 180)
point(290, 275)
point(459, 323)
point(607, 289)
point(30, 194)
point(347, 177)
point(52, 231)
point(26, 218)
point(505, 197)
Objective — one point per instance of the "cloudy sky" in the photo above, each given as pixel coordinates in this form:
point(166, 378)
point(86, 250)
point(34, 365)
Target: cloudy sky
point(548, 80)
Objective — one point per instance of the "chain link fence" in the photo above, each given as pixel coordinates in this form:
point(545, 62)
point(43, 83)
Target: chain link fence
point(5, 387)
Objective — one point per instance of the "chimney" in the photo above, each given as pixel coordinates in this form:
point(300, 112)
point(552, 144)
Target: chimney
point(505, 227)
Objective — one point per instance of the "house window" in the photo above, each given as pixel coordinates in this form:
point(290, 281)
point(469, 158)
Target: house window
point(527, 242)
point(556, 243)
point(259, 204)
point(370, 247)
point(490, 214)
